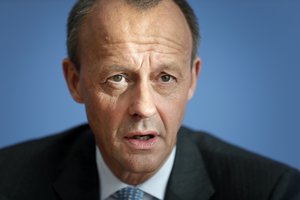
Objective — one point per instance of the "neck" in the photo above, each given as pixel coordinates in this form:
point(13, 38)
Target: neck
point(133, 178)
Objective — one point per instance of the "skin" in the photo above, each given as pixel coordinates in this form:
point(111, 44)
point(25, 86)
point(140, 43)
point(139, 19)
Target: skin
point(135, 78)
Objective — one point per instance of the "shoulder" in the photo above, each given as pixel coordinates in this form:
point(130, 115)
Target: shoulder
point(37, 162)
point(233, 169)
point(215, 150)
point(33, 149)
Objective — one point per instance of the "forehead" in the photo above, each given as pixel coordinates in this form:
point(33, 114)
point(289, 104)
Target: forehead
point(116, 22)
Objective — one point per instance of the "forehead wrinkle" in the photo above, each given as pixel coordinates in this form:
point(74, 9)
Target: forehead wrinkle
point(156, 38)
point(151, 58)
point(110, 46)
point(100, 40)
point(131, 55)
point(159, 44)
point(137, 25)
point(133, 47)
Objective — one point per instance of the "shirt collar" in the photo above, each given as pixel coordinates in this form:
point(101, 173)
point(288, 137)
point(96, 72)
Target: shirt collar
point(155, 186)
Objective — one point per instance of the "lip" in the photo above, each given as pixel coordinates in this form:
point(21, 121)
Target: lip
point(141, 144)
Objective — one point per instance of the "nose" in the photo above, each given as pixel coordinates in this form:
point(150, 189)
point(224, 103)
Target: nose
point(142, 101)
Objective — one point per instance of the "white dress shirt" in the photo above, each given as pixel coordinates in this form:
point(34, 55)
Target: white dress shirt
point(153, 188)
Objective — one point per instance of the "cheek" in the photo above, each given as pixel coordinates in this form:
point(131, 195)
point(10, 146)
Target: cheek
point(173, 106)
point(105, 117)
point(171, 111)
point(103, 112)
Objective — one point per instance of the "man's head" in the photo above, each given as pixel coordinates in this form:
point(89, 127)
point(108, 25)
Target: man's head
point(135, 80)
point(83, 7)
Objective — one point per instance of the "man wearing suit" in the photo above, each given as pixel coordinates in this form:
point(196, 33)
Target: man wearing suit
point(134, 66)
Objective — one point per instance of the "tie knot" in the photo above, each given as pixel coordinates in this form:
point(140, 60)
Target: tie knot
point(130, 193)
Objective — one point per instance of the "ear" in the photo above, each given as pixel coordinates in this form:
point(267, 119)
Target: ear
point(72, 79)
point(196, 68)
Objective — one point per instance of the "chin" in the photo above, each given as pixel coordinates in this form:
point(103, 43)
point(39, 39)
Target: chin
point(143, 164)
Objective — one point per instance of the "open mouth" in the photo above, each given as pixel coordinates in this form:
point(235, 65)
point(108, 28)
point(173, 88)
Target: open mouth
point(142, 140)
point(142, 137)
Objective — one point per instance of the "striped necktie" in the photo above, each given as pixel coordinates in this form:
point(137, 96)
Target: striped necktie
point(130, 193)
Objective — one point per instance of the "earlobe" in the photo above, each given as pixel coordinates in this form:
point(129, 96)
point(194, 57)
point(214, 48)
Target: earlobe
point(71, 75)
point(196, 68)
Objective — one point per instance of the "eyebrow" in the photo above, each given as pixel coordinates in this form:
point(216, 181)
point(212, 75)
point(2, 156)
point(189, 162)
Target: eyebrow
point(115, 68)
point(167, 66)
point(171, 66)
point(107, 69)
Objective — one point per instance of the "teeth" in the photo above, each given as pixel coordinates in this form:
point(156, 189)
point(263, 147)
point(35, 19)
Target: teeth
point(142, 137)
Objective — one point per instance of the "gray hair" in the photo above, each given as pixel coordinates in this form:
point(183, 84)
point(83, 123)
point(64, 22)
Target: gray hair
point(83, 7)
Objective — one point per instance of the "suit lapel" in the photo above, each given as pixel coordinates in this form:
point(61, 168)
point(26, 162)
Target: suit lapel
point(189, 179)
point(79, 178)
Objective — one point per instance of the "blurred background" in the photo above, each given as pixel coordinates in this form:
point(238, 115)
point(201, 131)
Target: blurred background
point(248, 92)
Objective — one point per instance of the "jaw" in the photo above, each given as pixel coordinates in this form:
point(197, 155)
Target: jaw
point(136, 169)
point(135, 166)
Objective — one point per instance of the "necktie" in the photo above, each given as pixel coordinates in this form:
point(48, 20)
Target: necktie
point(130, 193)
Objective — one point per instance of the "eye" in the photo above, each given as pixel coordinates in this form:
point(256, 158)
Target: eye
point(118, 81)
point(117, 78)
point(167, 78)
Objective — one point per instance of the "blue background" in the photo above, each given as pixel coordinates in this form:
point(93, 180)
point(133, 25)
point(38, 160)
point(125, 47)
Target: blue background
point(248, 92)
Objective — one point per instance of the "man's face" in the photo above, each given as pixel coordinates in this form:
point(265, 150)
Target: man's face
point(135, 80)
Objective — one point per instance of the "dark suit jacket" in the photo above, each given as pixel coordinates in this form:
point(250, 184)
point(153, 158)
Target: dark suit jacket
point(63, 167)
